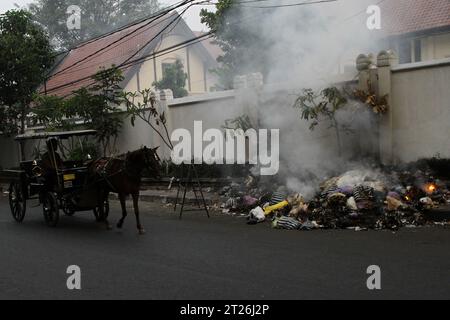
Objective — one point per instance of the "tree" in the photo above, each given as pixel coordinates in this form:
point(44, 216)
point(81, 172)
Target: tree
point(103, 112)
point(317, 106)
point(142, 105)
point(326, 104)
point(97, 107)
point(244, 47)
point(25, 57)
point(174, 78)
point(97, 17)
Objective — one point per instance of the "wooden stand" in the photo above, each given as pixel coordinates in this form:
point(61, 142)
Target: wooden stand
point(191, 180)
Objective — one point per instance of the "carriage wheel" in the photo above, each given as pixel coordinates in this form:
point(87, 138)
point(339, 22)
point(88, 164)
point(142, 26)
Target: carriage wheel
point(68, 212)
point(51, 209)
point(105, 212)
point(17, 201)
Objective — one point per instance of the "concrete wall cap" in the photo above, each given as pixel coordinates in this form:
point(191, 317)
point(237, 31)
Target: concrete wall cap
point(240, 82)
point(165, 94)
point(385, 58)
point(363, 62)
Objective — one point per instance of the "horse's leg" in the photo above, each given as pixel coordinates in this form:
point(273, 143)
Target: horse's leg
point(124, 210)
point(101, 210)
point(136, 212)
point(105, 198)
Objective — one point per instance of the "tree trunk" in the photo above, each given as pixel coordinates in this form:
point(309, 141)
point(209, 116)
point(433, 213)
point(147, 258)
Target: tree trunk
point(338, 138)
point(22, 131)
point(377, 138)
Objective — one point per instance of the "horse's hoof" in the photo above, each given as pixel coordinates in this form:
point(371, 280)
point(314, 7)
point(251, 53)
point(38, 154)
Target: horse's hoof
point(109, 227)
point(119, 225)
point(142, 232)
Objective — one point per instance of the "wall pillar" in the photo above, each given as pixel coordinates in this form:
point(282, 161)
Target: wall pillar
point(165, 96)
point(385, 61)
point(248, 91)
point(364, 63)
point(368, 141)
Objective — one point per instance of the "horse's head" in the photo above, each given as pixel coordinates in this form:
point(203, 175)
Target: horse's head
point(144, 158)
point(152, 161)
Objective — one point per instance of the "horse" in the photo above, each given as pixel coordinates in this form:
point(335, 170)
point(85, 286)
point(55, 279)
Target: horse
point(122, 175)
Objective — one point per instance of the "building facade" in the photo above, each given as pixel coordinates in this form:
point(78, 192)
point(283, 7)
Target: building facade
point(142, 52)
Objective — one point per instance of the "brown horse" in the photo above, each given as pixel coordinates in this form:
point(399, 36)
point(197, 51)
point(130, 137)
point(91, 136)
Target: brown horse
point(122, 175)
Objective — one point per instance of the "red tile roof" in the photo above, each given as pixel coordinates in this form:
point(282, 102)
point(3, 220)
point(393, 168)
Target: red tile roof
point(407, 16)
point(66, 82)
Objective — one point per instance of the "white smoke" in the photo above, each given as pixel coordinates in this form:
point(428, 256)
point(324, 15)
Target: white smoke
point(308, 47)
point(307, 43)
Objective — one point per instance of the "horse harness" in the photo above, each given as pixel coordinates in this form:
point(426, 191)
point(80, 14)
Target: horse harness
point(101, 167)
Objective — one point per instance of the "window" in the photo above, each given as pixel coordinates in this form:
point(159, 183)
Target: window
point(166, 66)
point(417, 50)
point(404, 51)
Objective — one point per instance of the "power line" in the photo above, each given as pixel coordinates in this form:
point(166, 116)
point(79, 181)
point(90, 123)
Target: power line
point(126, 26)
point(118, 44)
point(178, 5)
point(170, 49)
point(243, 3)
point(123, 37)
point(360, 12)
point(179, 18)
point(287, 5)
point(155, 17)
point(156, 54)
point(152, 56)
point(139, 60)
point(128, 63)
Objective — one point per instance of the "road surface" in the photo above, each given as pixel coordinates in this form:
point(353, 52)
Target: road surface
point(217, 258)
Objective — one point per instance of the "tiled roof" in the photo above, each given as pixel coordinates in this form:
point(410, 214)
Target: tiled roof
point(62, 84)
point(407, 16)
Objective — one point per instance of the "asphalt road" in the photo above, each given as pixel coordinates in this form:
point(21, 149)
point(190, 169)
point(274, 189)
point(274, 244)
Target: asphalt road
point(217, 258)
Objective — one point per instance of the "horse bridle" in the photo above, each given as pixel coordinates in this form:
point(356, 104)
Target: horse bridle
point(149, 162)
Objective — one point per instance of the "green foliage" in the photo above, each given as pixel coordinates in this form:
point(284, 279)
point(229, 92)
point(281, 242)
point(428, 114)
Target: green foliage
point(81, 152)
point(25, 57)
point(142, 105)
point(244, 48)
point(315, 107)
point(9, 118)
point(97, 107)
point(243, 122)
point(174, 78)
point(225, 77)
point(97, 17)
point(51, 111)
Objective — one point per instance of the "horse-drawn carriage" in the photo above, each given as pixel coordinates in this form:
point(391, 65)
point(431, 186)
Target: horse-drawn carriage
point(56, 184)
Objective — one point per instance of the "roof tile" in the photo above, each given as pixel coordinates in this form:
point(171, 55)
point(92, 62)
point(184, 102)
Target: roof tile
point(119, 50)
point(407, 16)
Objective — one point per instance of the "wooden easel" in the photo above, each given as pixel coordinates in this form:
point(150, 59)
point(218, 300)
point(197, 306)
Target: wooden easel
point(190, 181)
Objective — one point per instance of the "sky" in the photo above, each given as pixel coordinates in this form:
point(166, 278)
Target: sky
point(191, 16)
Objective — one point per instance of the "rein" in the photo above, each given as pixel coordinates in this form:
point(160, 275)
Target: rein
point(128, 169)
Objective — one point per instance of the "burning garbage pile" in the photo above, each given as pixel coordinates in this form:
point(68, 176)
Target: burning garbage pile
point(358, 200)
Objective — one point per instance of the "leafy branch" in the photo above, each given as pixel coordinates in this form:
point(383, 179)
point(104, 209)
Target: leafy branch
point(242, 122)
point(379, 105)
point(315, 107)
point(97, 107)
point(142, 105)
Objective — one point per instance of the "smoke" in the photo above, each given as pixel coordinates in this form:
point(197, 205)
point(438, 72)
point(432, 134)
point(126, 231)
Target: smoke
point(311, 46)
point(307, 43)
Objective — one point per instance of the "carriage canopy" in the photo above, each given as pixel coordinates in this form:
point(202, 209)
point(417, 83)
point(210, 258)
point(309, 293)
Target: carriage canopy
point(59, 135)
